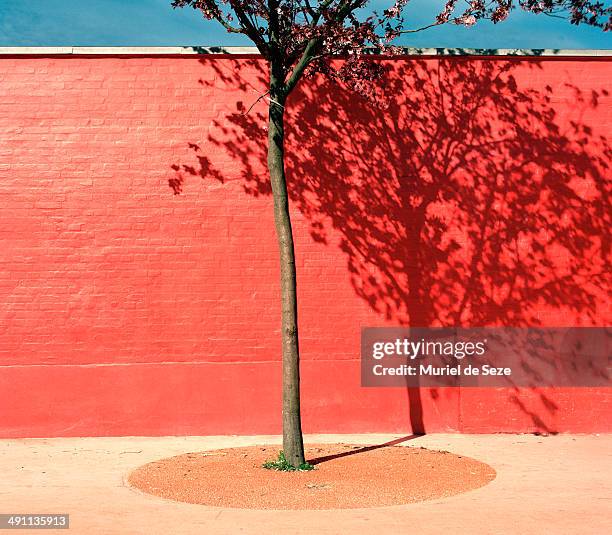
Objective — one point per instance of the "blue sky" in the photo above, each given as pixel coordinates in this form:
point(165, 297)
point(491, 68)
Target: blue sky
point(155, 23)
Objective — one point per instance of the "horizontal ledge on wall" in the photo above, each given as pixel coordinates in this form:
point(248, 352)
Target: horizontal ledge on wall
point(250, 50)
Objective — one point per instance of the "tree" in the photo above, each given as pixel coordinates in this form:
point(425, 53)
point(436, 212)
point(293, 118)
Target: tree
point(298, 38)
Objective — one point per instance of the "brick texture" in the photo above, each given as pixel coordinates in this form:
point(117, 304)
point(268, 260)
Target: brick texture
point(139, 278)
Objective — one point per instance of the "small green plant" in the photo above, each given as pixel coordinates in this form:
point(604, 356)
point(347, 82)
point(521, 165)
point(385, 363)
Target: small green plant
point(282, 465)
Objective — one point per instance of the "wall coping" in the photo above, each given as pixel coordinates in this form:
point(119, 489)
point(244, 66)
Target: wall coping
point(252, 51)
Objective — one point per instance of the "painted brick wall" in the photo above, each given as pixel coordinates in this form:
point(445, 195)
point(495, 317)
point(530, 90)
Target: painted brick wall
point(139, 279)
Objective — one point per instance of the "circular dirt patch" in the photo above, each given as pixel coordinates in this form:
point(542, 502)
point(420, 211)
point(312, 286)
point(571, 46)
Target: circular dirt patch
point(345, 477)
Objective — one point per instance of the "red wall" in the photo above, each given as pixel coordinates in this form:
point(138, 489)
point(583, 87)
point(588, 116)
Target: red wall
point(139, 279)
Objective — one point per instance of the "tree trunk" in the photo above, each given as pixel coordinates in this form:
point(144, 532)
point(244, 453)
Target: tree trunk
point(293, 444)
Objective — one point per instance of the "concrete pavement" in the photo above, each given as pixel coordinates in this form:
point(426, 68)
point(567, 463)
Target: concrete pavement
point(557, 484)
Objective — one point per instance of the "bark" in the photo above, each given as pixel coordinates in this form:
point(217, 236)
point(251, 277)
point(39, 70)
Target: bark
point(293, 444)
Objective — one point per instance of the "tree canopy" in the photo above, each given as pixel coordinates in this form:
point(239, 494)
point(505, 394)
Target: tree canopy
point(299, 34)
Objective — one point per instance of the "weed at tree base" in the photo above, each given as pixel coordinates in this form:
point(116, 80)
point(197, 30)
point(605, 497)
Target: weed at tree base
point(283, 465)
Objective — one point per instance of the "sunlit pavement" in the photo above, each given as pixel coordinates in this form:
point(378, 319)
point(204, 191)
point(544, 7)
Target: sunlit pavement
point(554, 484)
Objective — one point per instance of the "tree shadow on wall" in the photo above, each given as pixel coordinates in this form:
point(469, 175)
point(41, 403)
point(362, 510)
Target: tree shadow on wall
point(467, 201)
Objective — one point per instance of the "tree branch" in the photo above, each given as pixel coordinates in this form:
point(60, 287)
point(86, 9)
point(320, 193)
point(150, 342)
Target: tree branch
point(254, 103)
point(432, 25)
point(311, 48)
point(250, 30)
point(227, 25)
